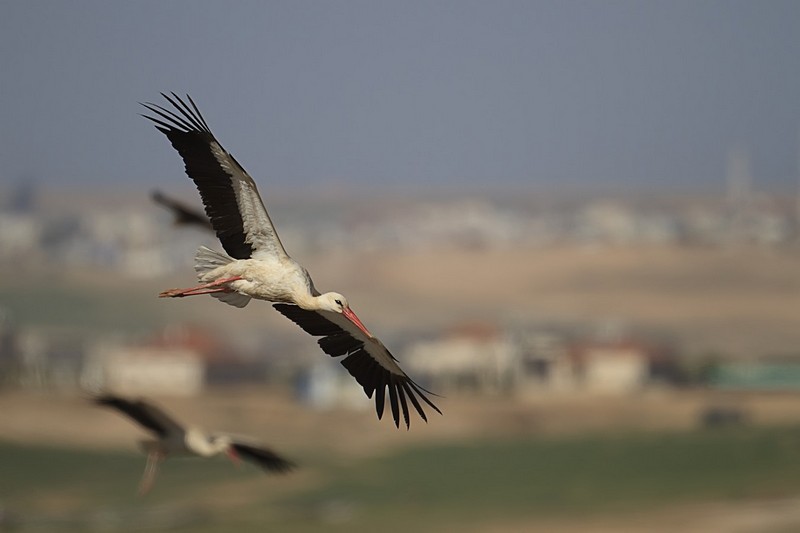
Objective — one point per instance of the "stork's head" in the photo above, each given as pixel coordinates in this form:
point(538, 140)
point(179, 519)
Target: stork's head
point(337, 303)
point(224, 444)
point(333, 301)
point(219, 441)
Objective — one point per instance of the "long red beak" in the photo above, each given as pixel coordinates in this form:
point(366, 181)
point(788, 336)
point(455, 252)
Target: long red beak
point(234, 457)
point(351, 316)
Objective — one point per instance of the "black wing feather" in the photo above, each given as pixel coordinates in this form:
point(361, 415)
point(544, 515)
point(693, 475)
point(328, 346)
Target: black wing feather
point(380, 400)
point(198, 114)
point(402, 396)
point(138, 410)
point(393, 402)
point(373, 378)
point(186, 112)
point(413, 399)
point(263, 457)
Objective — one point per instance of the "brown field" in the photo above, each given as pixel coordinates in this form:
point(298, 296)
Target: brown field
point(741, 301)
point(274, 416)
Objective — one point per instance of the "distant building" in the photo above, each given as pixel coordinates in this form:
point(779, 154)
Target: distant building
point(480, 357)
point(326, 384)
point(145, 370)
point(614, 224)
point(471, 356)
point(546, 362)
point(20, 234)
point(615, 367)
point(179, 359)
point(775, 375)
point(9, 350)
point(605, 222)
point(33, 360)
point(552, 364)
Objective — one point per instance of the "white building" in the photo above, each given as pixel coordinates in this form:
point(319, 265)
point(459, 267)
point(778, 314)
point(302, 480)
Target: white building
point(473, 356)
point(613, 368)
point(326, 385)
point(138, 370)
point(19, 234)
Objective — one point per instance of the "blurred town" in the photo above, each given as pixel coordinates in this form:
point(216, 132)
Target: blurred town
point(134, 241)
point(534, 316)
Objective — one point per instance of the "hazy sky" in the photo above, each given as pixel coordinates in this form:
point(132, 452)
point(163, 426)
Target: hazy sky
point(405, 93)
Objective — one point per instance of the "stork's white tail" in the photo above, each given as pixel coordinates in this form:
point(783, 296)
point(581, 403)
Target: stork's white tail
point(206, 260)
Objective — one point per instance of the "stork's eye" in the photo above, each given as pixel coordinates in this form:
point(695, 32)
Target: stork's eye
point(338, 302)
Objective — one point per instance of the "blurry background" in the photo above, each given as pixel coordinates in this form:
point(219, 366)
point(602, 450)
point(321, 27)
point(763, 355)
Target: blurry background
point(577, 222)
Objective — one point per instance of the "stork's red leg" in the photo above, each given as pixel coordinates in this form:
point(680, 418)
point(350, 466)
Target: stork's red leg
point(206, 288)
point(150, 472)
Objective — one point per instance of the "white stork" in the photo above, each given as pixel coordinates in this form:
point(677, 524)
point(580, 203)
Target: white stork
point(257, 265)
point(174, 439)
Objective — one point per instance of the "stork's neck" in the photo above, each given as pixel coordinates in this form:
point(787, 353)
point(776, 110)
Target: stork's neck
point(307, 301)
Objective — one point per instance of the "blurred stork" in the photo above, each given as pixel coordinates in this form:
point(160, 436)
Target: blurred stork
point(173, 439)
point(182, 214)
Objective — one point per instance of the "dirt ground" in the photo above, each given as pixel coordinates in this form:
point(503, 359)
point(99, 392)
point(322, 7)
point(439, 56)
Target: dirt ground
point(773, 516)
point(274, 416)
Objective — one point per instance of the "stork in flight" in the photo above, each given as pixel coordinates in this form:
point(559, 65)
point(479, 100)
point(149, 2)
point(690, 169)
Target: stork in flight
point(257, 266)
point(174, 439)
point(182, 214)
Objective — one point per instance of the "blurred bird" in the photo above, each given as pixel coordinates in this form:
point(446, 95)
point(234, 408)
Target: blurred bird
point(257, 265)
point(174, 439)
point(182, 214)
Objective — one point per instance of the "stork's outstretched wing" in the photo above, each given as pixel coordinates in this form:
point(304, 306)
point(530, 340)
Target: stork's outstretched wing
point(367, 360)
point(229, 194)
point(148, 415)
point(263, 457)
